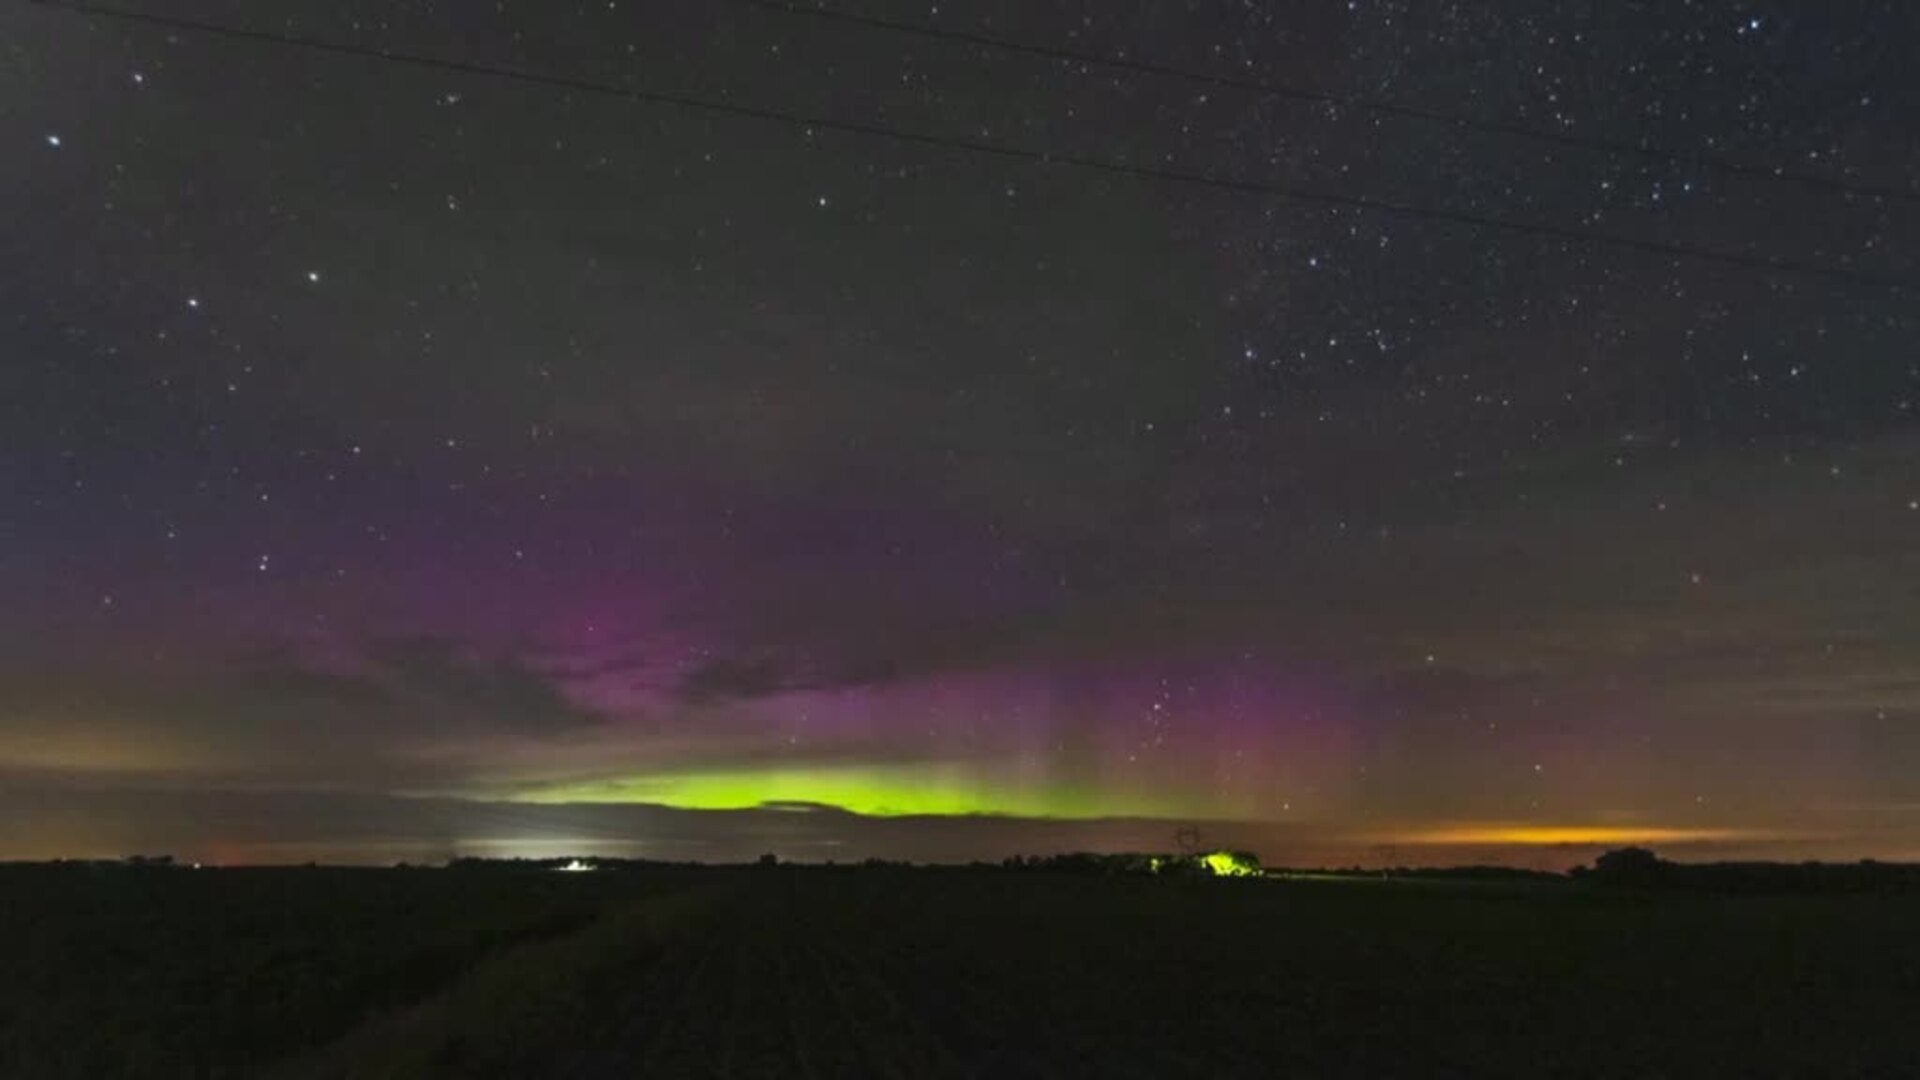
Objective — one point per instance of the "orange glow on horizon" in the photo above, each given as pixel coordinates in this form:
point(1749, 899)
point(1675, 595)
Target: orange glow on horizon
point(1549, 835)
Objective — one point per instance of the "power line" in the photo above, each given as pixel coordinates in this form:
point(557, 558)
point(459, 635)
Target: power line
point(1360, 104)
point(1117, 168)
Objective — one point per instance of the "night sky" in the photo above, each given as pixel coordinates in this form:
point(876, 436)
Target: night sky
point(405, 462)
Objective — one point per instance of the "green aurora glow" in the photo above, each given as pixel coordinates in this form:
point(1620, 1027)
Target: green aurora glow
point(872, 790)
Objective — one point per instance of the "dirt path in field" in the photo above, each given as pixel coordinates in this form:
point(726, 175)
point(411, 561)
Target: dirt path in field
point(520, 1010)
point(757, 992)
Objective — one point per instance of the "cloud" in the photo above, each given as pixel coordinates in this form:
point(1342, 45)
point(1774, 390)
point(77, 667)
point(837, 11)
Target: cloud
point(802, 806)
point(394, 712)
point(731, 678)
point(845, 657)
point(440, 679)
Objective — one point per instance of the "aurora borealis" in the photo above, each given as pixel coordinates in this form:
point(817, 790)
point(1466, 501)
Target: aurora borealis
point(406, 462)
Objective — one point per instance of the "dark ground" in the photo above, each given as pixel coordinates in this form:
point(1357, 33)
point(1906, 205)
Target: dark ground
point(897, 972)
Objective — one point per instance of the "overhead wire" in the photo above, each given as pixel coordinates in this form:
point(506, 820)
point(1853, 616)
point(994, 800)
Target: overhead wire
point(1165, 174)
point(1268, 88)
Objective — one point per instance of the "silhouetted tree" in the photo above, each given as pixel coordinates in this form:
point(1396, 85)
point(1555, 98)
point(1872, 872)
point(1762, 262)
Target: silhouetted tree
point(1630, 864)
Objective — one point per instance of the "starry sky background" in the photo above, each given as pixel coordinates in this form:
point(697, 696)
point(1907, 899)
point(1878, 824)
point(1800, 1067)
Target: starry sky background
point(402, 463)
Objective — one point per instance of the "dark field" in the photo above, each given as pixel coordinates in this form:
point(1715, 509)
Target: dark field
point(113, 971)
point(893, 972)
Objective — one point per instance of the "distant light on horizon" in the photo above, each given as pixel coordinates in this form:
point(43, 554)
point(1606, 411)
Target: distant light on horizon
point(1553, 835)
point(1231, 864)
